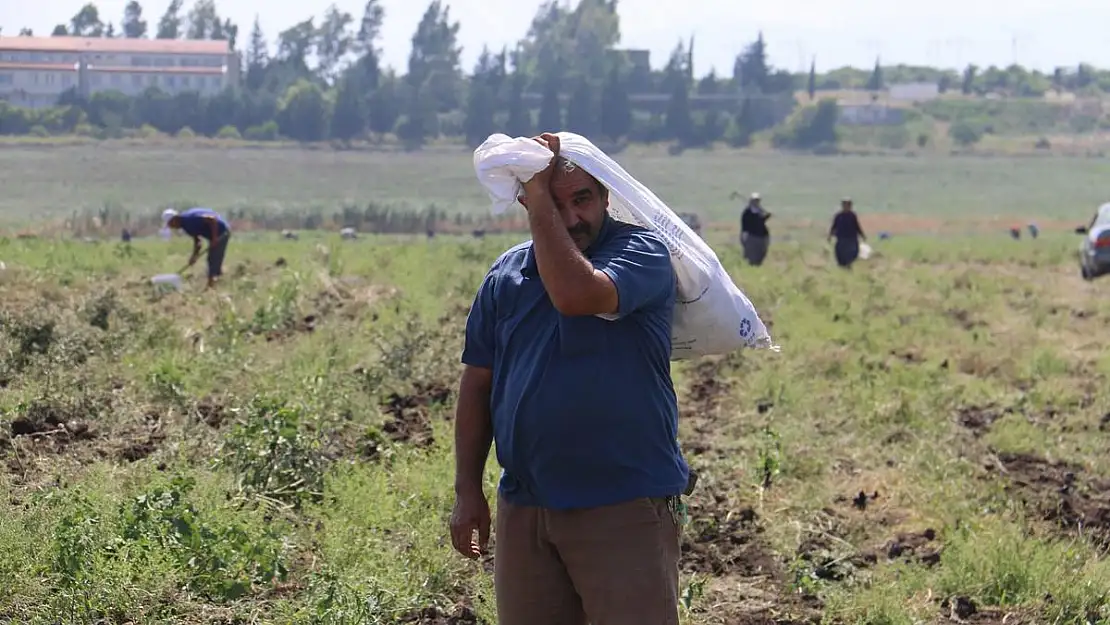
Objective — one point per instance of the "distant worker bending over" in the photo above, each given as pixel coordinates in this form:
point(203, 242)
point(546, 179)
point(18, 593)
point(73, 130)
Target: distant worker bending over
point(755, 238)
point(848, 233)
point(203, 223)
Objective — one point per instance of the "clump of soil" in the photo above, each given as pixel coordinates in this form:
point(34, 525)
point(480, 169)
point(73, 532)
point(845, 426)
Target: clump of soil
point(336, 298)
point(964, 319)
point(1061, 492)
point(860, 501)
point(328, 301)
point(139, 441)
point(907, 356)
point(137, 450)
point(833, 550)
point(212, 412)
point(914, 547)
point(348, 298)
point(52, 425)
point(979, 419)
point(69, 427)
point(410, 420)
point(720, 541)
point(26, 426)
point(700, 404)
point(707, 387)
point(824, 560)
point(462, 615)
point(827, 558)
point(305, 325)
point(962, 608)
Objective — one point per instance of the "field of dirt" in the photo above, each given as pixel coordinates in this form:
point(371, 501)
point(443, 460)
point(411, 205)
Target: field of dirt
point(929, 446)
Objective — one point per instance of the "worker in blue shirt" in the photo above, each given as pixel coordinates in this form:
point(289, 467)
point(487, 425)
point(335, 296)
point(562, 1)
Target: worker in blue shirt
point(567, 369)
point(202, 223)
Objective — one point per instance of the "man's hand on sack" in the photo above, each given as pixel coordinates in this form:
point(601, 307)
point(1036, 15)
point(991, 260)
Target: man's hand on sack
point(541, 182)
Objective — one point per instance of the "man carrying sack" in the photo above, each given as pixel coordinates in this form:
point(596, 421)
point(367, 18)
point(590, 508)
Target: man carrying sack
point(566, 357)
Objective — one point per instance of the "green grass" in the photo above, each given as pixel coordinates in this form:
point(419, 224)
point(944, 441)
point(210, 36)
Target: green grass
point(58, 181)
point(206, 457)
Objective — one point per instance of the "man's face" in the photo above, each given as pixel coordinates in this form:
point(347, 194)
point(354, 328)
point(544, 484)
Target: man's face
point(174, 222)
point(581, 202)
point(845, 206)
point(755, 202)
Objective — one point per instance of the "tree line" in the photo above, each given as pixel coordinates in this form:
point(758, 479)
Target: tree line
point(324, 80)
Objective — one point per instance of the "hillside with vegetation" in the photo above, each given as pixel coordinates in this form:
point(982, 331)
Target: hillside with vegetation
point(323, 80)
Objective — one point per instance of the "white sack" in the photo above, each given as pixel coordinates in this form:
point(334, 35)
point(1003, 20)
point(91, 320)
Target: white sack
point(172, 280)
point(712, 315)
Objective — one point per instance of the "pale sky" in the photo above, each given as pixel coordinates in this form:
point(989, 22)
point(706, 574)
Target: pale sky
point(952, 33)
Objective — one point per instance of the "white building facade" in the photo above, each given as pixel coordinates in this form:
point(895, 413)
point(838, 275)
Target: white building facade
point(35, 71)
point(915, 91)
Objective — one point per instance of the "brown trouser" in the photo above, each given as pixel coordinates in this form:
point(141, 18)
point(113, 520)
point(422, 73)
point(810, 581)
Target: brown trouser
point(613, 565)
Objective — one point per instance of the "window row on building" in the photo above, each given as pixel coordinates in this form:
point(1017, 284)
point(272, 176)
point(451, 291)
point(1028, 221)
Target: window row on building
point(99, 81)
point(131, 60)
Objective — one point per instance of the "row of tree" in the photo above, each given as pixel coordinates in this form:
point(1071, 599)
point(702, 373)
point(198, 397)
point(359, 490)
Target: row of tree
point(309, 112)
point(325, 80)
point(558, 37)
point(201, 22)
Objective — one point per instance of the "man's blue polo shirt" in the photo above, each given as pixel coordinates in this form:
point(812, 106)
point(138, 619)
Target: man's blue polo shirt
point(584, 411)
point(193, 222)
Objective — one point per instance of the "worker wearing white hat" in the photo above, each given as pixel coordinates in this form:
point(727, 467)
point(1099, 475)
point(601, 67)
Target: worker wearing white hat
point(202, 223)
point(755, 238)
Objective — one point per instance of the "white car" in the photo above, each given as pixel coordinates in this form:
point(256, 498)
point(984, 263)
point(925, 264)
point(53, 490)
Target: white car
point(1094, 251)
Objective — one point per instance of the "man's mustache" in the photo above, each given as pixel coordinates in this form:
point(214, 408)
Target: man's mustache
point(580, 228)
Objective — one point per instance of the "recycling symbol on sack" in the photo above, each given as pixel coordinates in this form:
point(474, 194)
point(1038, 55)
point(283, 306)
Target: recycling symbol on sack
point(745, 328)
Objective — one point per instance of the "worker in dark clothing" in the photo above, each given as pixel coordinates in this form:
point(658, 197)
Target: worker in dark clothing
point(202, 223)
point(755, 238)
point(848, 233)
